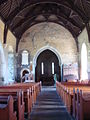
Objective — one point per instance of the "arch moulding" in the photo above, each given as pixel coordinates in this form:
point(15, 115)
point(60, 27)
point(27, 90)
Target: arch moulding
point(40, 51)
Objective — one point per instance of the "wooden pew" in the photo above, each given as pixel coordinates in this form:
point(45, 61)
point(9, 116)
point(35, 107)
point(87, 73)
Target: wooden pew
point(72, 97)
point(31, 90)
point(75, 83)
point(20, 106)
point(7, 110)
point(28, 101)
point(66, 96)
point(26, 96)
point(83, 106)
point(18, 101)
point(74, 103)
point(81, 103)
point(37, 87)
point(66, 93)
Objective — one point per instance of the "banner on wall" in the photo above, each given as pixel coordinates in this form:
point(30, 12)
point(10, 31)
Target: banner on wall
point(70, 71)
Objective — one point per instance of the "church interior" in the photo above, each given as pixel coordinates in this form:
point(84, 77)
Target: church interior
point(44, 59)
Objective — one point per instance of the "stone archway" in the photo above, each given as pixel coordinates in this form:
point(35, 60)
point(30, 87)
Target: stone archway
point(24, 71)
point(43, 49)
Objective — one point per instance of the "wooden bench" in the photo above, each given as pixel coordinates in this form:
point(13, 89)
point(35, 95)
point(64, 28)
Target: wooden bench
point(66, 93)
point(35, 88)
point(26, 96)
point(31, 90)
point(83, 105)
point(7, 110)
point(18, 102)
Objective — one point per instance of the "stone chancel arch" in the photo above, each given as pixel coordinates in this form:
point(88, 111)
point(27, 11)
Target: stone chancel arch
point(53, 35)
point(47, 66)
point(49, 36)
point(49, 48)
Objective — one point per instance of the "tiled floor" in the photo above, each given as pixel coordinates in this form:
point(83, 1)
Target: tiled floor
point(49, 106)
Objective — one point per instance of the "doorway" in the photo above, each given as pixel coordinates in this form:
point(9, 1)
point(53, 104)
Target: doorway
point(47, 66)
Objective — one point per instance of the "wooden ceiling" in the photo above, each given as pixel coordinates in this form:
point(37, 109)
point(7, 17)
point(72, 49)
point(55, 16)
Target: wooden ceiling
point(19, 15)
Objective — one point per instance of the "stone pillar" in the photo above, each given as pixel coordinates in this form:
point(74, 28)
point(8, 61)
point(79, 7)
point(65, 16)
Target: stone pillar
point(1, 74)
point(16, 65)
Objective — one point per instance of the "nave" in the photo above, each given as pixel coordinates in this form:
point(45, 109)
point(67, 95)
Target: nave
point(44, 42)
point(49, 106)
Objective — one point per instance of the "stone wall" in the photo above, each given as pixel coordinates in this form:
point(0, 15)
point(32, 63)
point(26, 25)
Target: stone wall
point(5, 49)
point(11, 41)
point(50, 34)
point(1, 31)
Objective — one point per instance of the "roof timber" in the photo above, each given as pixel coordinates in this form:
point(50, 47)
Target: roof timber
point(19, 15)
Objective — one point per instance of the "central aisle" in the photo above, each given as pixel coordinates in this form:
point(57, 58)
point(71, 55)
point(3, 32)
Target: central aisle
point(49, 106)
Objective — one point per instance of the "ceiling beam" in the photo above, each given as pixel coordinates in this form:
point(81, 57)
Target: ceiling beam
point(3, 1)
point(25, 5)
point(78, 10)
point(15, 12)
point(88, 30)
point(17, 43)
point(60, 15)
point(5, 34)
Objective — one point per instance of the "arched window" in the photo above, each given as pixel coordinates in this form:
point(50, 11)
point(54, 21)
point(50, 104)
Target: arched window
point(11, 75)
point(84, 62)
point(25, 57)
